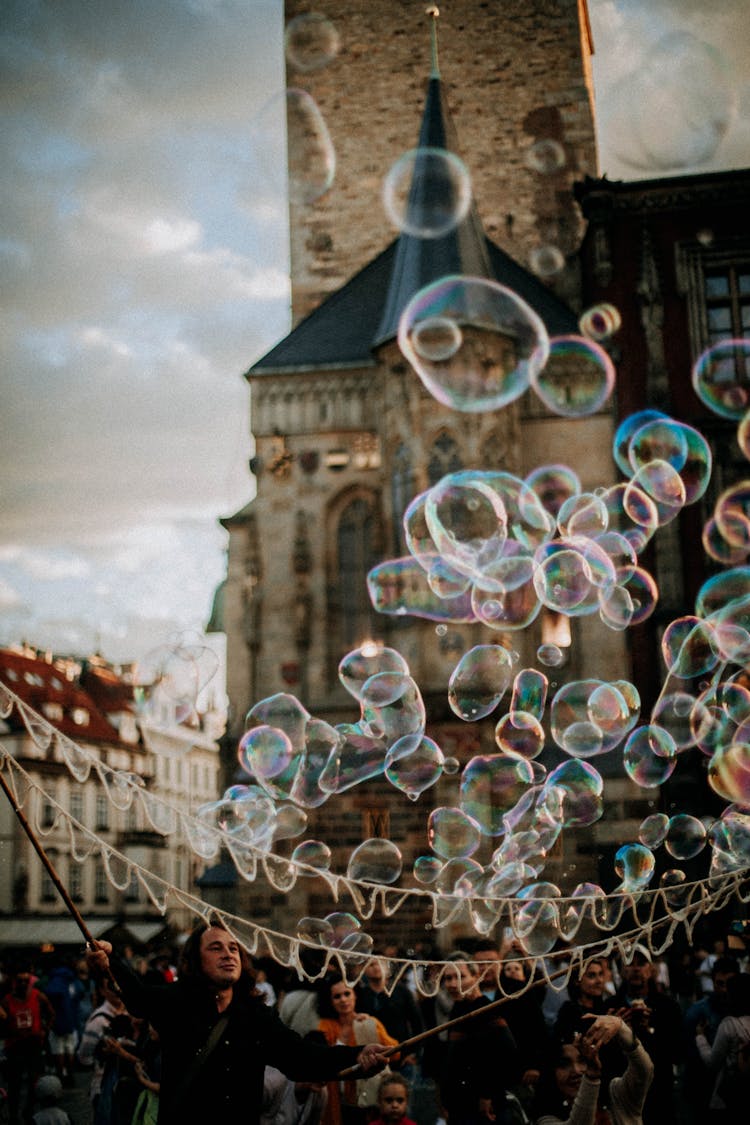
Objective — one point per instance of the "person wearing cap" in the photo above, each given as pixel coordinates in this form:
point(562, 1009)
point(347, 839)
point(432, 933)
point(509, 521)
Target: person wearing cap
point(657, 1021)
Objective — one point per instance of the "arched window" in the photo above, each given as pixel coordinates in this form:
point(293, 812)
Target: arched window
point(444, 458)
point(402, 491)
point(354, 548)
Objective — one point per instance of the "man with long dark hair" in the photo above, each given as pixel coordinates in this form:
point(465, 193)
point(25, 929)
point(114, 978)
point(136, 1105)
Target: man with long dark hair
point(217, 1035)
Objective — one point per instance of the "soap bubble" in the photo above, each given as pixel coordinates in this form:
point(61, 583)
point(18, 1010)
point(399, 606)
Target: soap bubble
point(414, 763)
point(743, 434)
point(356, 668)
point(427, 868)
point(436, 339)
point(452, 834)
point(310, 42)
point(168, 680)
point(589, 717)
point(399, 587)
point(479, 681)
point(649, 756)
point(491, 785)
point(653, 830)
point(265, 751)
point(451, 765)
point(312, 853)
point(551, 656)
point(729, 773)
point(537, 925)
point(427, 192)
point(625, 431)
point(686, 836)
point(577, 378)
point(545, 156)
point(687, 647)
point(375, 861)
point(384, 688)
point(732, 515)
point(721, 378)
point(600, 321)
point(311, 158)
point(547, 260)
point(635, 865)
point(467, 521)
point(554, 484)
point(359, 756)
point(520, 734)
point(529, 692)
point(503, 343)
point(315, 931)
point(343, 926)
point(578, 787)
point(683, 716)
point(643, 591)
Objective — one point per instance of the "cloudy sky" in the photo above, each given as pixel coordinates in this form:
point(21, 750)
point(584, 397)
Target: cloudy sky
point(144, 263)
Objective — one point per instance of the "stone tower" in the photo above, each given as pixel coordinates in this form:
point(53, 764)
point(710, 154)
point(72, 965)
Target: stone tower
point(345, 433)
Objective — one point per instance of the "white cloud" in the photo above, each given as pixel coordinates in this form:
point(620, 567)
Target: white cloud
point(9, 597)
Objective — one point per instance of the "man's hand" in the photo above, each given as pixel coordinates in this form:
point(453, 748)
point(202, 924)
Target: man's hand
point(97, 956)
point(601, 1031)
point(373, 1057)
point(486, 1110)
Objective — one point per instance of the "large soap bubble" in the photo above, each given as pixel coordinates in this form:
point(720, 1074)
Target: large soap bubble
point(375, 861)
point(499, 344)
point(479, 681)
point(721, 378)
point(577, 378)
point(427, 192)
point(311, 42)
point(311, 157)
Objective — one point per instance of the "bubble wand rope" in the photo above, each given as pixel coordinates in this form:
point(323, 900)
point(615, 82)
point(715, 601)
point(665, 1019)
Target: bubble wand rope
point(354, 1070)
point(47, 863)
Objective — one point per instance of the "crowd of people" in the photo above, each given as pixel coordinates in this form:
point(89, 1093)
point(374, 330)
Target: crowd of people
point(624, 1042)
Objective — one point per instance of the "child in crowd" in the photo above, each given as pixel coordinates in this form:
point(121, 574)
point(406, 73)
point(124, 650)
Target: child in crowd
point(393, 1099)
point(48, 1092)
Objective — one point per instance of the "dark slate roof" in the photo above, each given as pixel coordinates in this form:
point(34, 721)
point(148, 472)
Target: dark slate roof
point(364, 313)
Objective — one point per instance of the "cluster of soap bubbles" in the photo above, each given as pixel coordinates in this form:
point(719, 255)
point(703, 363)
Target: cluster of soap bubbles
point(168, 681)
point(477, 346)
point(495, 548)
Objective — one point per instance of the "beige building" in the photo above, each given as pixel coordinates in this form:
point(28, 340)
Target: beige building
point(345, 432)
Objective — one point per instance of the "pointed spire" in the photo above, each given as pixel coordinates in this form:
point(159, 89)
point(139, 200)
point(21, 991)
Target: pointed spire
point(420, 261)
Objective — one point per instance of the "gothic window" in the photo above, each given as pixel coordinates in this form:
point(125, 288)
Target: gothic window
point(444, 458)
point(354, 545)
point(494, 451)
point(727, 298)
point(402, 491)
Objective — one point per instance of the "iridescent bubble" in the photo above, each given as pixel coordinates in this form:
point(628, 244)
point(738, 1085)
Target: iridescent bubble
point(452, 834)
point(168, 680)
point(732, 514)
point(563, 578)
point(310, 42)
point(537, 926)
point(600, 321)
point(577, 378)
point(315, 931)
point(265, 751)
point(624, 433)
point(446, 581)
point(290, 823)
point(551, 656)
point(717, 547)
point(631, 513)
point(405, 715)
point(721, 378)
point(356, 668)
point(283, 712)
point(646, 756)
point(659, 480)
point(589, 717)
point(687, 647)
point(359, 756)
point(343, 926)
point(511, 610)
point(686, 836)
point(400, 587)
point(643, 591)
point(413, 764)
point(683, 716)
point(384, 688)
point(616, 608)
point(736, 829)
point(653, 830)
point(375, 861)
point(311, 158)
point(427, 868)
point(545, 156)
point(503, 343)
point(451, 766)
point(459, 877)
point(520, 734)
point(743, 435)
point(554, 484)
point(312, 853)
point(718, 592)
point(634, 864)
point(729, 773)
point(467, 520)
point(529, 692)
point(491, 785)
point(427, 192)
point(577, 787)
point(672, 882)
point(436, 339)
point(661, 439)
point(479, 681)
point(547, 260)
point(583, 515)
